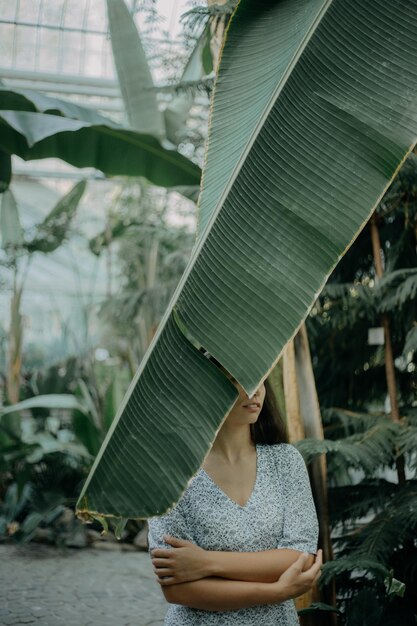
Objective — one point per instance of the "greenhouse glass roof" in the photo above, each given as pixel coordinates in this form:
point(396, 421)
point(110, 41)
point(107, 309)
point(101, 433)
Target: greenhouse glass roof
point(62, 47)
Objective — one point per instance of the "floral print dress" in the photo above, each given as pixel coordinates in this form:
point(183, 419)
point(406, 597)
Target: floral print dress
point(280, 513)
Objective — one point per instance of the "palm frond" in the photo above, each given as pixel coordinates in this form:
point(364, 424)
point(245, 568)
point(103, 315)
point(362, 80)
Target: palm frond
point(410, 344)
point(200, 15)
point(407, 444)
point(358, 566)
point(396, 288)
point(351, 421)
point(390, 528)
point(348, 503)
point(367, 451)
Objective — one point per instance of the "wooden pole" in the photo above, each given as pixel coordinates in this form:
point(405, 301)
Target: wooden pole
point(304, 420)
point(313, 428)
point(389, 357)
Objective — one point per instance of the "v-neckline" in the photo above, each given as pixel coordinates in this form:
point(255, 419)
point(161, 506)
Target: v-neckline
point(241, 506)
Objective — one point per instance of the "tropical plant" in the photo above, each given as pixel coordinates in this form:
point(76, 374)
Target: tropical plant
point(19, 248)
point(47, 445)
point(373, 519)
point(372, 507)
point(41, 469)
point(152, 254)
point(34, 126)
point(286, 190)
point(138, 89)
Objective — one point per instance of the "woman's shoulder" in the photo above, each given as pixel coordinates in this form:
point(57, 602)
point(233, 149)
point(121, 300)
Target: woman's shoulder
point(284, 453)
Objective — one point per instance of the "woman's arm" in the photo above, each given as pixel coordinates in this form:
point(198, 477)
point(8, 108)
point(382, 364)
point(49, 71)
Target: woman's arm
point(265, 566)
point(188, 562)
point(217, 594)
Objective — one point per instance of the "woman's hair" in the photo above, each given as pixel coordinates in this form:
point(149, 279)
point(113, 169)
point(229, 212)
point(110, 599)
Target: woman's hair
point(270, 427)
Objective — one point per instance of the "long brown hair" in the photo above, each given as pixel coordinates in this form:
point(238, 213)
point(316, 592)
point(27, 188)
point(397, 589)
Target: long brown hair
point(270, 427)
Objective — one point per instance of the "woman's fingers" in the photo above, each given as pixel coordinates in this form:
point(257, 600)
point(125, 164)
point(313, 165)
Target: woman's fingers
point(176, 542)
point(162, 562)
point(163, 570)
point(167, 580)
point(318, 562)
point(165, 553)
point(315, 570)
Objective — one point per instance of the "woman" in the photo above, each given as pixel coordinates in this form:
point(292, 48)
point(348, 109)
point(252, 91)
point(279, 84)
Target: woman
point(234, 549)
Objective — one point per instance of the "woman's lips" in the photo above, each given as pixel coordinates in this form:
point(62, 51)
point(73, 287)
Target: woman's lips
point(253, 407)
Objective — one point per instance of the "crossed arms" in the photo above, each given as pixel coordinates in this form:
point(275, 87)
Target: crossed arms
point(221, 581)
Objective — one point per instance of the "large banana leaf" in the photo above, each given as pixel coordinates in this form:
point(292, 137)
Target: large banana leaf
point(135, 79)
point(177, 111)
point(50, 401)
point(108, 147)
point(315, 109)
point(5, 170)
point(30, 100)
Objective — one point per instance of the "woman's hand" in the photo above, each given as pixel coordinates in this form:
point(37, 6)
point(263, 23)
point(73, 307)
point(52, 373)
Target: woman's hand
point(185, 563)
point(294, 582)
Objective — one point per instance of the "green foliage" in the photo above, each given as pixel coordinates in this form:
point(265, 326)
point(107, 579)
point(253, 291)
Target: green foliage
point(367, 450)
point(41, 471)
point(6, 170)
point(47, 445)
point(51, 233)
point(373, 518)
point(86, 141)
point(152, 256)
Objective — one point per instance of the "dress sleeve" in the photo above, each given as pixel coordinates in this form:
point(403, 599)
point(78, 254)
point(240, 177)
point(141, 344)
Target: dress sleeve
point(172, 523)
point(301, 527)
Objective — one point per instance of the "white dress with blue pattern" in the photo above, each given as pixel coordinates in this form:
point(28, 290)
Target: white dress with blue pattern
point(280, 513)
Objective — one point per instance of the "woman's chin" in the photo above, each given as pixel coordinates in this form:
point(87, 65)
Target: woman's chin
point(245, 419)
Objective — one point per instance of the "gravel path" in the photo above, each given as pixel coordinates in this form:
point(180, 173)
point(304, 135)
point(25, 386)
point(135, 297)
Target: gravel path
point(44, 586)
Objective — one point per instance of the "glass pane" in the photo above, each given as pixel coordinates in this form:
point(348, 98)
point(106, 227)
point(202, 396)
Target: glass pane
point(71, 52)
point(48, 50)
point(25, 47)
point(52, 12)
point(92, 55)
point(8, 9)
point(6, 44)
point(29, 11)
point(74, 14)
point(107, 63)
point(96, 17)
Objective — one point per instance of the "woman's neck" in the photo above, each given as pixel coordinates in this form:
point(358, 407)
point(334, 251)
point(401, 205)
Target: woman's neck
point(233, 443)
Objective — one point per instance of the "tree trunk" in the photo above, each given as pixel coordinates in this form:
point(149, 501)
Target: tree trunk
point(304, 420)
point(291, 393)
point(389, 358)
point(313, 428)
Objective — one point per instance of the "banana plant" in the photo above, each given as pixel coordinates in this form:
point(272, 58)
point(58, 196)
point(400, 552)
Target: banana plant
point(48, 236)
point(135, 79)
point(35, 126)
point(314, 112)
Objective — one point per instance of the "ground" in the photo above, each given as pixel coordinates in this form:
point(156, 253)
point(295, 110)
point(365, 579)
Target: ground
point(44, 586)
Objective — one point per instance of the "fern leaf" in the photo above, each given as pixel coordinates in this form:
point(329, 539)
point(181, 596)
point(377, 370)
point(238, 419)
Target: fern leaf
point(358, 566)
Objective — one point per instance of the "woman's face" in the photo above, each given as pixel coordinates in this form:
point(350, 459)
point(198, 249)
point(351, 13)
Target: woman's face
point(245, 410)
